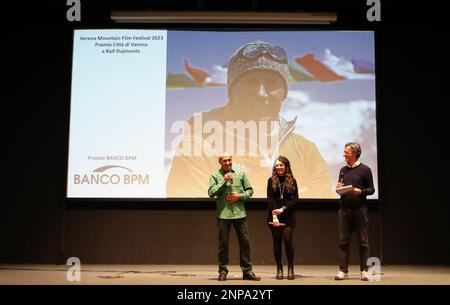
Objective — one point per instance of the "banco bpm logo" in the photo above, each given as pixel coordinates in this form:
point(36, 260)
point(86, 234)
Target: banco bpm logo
point(111, 175)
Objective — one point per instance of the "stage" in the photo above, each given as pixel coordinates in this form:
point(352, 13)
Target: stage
point(33, 274)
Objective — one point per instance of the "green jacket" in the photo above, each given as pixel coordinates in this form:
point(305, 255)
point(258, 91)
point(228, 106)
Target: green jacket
point(219, 189)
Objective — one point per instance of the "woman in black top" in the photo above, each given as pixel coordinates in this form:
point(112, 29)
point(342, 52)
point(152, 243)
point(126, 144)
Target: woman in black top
point(282, 196)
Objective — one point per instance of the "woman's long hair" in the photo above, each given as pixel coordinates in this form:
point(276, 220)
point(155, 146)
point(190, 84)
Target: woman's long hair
point(288, 176)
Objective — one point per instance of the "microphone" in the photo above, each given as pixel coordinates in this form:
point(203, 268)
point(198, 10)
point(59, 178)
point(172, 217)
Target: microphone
point(229, 182)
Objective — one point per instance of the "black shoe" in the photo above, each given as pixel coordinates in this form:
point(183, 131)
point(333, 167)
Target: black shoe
point(250, 276)
point(279, 273)
point(291, 274)
point(222, 276)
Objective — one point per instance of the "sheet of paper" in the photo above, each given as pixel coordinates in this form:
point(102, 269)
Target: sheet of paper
point(344, 189)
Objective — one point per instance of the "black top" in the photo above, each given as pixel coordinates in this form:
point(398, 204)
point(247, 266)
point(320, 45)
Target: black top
point(290, 199)
point(359, 177)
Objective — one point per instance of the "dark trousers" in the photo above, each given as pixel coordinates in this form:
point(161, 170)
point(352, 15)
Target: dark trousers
point(353, 220)
point(240, 226)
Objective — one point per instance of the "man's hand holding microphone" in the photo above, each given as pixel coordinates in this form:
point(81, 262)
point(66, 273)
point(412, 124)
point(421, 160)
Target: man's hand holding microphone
point(233, 196)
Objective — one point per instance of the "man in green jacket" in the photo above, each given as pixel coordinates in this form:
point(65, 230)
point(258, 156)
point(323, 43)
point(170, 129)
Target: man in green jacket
point(231, 189)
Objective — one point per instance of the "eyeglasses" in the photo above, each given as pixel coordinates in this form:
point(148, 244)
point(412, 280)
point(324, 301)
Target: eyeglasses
point(253, 51)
